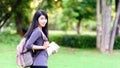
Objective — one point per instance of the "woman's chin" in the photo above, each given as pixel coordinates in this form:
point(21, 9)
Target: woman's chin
point(43, 25)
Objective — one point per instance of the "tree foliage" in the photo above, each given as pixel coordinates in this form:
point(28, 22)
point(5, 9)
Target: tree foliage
point(64, 12)
point(17, 10)
point(76, 10)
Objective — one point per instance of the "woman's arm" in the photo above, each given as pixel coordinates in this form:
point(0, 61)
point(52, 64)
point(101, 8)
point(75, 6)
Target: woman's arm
point(34, 36)
point(45, 46)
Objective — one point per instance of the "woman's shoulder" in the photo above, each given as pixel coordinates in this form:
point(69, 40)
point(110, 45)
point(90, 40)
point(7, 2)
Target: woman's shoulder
point(37, 31)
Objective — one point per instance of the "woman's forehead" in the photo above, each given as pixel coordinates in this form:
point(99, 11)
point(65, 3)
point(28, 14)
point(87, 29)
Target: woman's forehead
point(42, 16)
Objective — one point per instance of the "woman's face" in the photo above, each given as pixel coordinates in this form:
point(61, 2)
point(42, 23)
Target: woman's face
point(42, 21)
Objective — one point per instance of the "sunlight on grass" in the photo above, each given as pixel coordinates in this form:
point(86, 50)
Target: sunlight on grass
point(61, 32)
point(53, 32)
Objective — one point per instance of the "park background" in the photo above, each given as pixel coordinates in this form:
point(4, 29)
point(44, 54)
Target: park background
point(87, 31)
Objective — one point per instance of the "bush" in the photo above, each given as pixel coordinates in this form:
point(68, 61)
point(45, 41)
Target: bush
point(75, 41)
point(79, 41)
point(117, 43)
point(8, 39)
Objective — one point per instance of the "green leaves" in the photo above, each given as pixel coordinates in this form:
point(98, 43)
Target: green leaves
point(79, 9)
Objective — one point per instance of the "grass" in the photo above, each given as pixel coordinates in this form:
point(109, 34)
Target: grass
point(65, 58)
point(83, 58)
point(56, 32)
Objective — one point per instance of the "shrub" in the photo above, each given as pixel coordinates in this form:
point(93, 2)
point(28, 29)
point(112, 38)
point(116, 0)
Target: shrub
point(75, 41)
point(117, 43)
point(79, 41)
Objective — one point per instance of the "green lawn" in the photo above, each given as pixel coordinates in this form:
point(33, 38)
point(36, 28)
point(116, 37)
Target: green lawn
point(84, 58)
point(65, 58)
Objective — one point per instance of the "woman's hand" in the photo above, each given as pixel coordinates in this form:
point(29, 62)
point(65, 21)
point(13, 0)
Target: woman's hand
point(54, 51)
point(46, 45)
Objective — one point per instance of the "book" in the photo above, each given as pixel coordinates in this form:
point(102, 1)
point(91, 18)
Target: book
point(52, 47)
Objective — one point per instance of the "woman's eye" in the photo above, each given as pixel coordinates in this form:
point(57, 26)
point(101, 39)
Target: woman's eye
point(42, 18)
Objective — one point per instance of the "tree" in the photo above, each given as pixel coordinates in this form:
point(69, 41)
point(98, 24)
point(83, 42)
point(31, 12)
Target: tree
point(20, 16)
point(106, 20)
point(5, 13)
point(118, 28)
point(20, 11)
point(98, 25)
point(107, 37)
point(77, 10)
point(17, 9)
point(117, 19)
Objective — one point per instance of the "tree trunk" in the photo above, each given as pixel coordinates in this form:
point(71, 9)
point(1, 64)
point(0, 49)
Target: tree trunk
point(18, 19)
point(98, 25)
point(102, 47)
point(116, 4)
point(109, 11)
point(4, 19)
point(78, 28)
point(114, 28)
point(106, 19)
point(118, 28)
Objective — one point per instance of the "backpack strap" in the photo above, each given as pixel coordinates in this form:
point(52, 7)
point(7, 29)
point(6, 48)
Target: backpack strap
point(24, 46)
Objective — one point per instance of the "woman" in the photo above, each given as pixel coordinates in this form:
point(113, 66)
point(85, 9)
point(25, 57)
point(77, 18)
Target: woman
point(37, 39)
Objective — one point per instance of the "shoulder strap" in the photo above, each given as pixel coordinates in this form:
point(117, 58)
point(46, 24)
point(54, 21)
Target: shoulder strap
point(24, 45)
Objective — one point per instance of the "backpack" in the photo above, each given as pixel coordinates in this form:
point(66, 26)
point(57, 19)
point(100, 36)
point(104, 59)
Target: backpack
point(24, 57)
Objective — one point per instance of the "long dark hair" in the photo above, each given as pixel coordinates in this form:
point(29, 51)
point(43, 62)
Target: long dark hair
point(35, 24)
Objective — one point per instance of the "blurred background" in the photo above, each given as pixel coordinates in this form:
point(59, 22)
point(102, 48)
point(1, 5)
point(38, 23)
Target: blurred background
point(64, 15)
point(86, 30)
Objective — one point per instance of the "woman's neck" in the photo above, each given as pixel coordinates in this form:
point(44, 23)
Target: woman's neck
point(40, 27)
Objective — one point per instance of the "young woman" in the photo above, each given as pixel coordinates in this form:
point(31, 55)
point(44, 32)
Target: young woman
point(37, 39)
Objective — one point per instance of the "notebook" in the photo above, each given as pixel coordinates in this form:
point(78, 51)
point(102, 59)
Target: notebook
point(52, 46)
